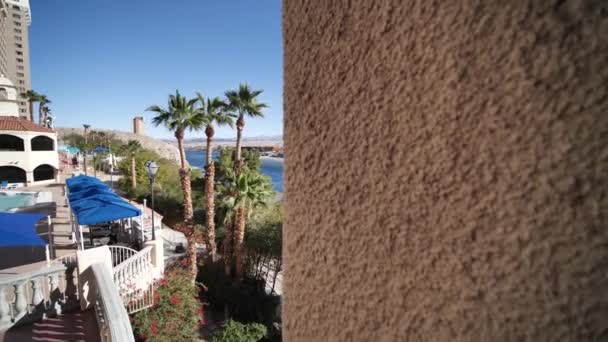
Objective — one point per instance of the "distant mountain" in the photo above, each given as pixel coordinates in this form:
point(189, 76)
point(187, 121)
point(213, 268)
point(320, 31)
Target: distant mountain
point(256, 138)
point(262, 140)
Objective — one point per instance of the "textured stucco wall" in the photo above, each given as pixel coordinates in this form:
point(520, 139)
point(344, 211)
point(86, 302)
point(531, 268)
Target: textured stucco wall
point(446, 171)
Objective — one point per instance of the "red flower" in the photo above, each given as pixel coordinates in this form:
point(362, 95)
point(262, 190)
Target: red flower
point(175, 300)
point(163, 282)
point(201, 310)
point(153, 329)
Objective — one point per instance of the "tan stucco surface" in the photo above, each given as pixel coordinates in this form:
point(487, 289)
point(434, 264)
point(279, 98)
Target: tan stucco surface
point(446, 170)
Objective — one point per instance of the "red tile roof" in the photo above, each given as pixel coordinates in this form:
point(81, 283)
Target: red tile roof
point(13, 123)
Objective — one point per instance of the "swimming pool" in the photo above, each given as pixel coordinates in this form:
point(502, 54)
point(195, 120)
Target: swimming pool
point(11, 200)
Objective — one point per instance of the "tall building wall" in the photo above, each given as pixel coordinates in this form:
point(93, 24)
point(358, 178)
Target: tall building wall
point(446, 170)
point(138, 125)
point(14, 48)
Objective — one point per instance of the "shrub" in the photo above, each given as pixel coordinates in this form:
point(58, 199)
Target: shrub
point(238, 332)
point(176, 314)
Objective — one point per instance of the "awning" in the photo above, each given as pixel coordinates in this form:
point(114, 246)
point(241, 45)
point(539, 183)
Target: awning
point(102, 208)
point(92, 201)
point(20, 229)
point(78, 195)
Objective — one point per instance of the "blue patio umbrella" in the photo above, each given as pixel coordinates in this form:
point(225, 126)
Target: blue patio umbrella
point(89, 192)
point(101, 149)
point(86, 184)
point(81, 179)
point(102, 208)
point(17, 229)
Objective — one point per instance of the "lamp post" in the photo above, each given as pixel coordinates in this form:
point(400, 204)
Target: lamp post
point(111, 165)
point(151, 169)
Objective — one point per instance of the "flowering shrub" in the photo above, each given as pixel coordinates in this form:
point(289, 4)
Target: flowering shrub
point(176, 314)
point(238, 332)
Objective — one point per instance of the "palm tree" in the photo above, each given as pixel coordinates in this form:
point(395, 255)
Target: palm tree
point(180, 115)
point(214, 111)
point(241, 193)
point(86, 146)
point(131, 149)
point(243, 102)
point(42, 102)
point(32, 96)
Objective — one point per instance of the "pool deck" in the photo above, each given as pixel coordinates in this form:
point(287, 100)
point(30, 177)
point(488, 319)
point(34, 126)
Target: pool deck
point(61, 230)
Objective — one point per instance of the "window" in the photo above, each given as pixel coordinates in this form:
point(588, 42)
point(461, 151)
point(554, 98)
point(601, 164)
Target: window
point(19, 53)
point(16, 7)
point(19, 45)
point(42, 143)
point(21, 82)
point(20, 67)
point(20, 74)
point(17, 16)
point(18, 38)
point(17, 23)
point(22, 110)
point(20, 60)
point(11, 143)
point(22, 103)
point(17, 30)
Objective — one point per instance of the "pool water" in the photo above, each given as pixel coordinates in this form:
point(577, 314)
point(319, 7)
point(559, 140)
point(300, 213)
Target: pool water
point(16, 200)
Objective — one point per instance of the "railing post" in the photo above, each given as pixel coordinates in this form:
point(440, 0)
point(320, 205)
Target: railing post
point(5, 309)
point(37, 295)
point(20, 301)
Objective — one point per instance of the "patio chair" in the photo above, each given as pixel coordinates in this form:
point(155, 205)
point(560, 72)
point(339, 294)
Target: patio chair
point(3, 185)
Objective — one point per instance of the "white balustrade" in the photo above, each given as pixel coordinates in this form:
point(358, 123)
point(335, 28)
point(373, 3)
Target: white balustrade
point(25, 296)
point(133, 277)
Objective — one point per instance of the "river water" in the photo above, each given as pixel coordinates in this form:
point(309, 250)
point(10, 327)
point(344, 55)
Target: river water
point(272, 167)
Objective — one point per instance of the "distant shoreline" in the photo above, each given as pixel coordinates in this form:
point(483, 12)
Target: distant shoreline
point(281, 159)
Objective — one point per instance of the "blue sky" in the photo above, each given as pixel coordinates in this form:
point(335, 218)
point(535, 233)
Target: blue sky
point(102, 62)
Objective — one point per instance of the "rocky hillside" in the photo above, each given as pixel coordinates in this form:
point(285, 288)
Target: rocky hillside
point(163, 148)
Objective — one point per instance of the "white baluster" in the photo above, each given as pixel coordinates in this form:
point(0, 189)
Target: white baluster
point(20, 301)
point(5, 308)
point(37, 295)
point(54, 286)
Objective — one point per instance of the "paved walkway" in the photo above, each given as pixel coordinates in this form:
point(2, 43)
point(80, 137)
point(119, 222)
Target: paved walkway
point(75, 326)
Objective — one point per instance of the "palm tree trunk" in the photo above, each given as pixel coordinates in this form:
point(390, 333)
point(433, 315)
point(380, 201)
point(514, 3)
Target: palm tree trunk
point(210, 192)
point(240, 124)
point(184, 175)
point(31, 111)
point(191, 257)
point(133, 174)
point(85, 151)
point(40, 114)
point(228, 248)
point(239, 240)
point(180, 147)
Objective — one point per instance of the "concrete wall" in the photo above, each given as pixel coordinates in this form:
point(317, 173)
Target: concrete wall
point(446, 170)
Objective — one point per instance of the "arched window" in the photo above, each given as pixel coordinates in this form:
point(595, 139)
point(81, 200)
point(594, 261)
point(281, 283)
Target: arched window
point(44, 172)
point(10, 143)
point(3, 94)
point(42, 143)
point(12, 174)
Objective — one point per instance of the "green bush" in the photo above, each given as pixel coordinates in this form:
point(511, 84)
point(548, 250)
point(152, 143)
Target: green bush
point(176, 314)
point(238, 332)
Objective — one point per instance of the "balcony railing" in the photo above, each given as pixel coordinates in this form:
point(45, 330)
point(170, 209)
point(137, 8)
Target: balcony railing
point(31, 296)
point(112, 317)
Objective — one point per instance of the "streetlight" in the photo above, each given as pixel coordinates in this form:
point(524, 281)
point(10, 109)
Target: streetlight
point(151, 169)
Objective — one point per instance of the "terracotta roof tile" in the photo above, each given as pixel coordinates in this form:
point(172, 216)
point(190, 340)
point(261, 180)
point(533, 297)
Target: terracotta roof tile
point(13, 123)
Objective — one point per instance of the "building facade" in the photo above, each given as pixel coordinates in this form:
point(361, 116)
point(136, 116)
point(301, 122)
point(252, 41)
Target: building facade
point(447, 170)
point(15, 19)
point(28, 152)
